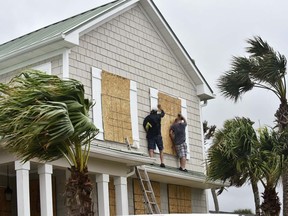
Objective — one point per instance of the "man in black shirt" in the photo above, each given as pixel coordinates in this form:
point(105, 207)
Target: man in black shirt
point(152, 125)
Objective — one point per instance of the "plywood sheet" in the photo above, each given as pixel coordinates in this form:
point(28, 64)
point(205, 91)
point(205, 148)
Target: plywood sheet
point(179, 199)
point(112, 202)
point(115, 85)
point(139, 206)
point(172, 107)
point(116, 108)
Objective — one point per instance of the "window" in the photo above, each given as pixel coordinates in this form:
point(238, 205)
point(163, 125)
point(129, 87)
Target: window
point(139, 204)
point(115, 112)
point(172, 106)
point(179, 199)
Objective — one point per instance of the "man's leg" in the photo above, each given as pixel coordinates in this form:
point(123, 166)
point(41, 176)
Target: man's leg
point(183, 162)
point(159, 143)
point(161, 157)
point(151, 152)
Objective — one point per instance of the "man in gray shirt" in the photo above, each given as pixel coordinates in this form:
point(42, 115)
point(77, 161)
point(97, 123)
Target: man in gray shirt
point(178, 136)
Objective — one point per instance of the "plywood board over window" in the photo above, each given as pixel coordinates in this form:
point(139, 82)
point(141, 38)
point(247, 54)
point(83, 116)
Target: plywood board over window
point(139, 205)
point(179, 199)
point(171, 106)
point(112, 201)
point(116, 108)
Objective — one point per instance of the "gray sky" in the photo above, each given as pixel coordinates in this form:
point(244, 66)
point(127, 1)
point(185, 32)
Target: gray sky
point(211, 31)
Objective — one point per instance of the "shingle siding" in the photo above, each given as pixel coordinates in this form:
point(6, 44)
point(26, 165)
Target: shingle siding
point(129, 46)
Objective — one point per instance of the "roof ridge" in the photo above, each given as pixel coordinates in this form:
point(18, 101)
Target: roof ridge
point(71, 17)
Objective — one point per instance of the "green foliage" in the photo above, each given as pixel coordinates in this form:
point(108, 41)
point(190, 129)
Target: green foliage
point(233, 153)
point(45, 117)
point(263, 68)
point(243, 211)
point(239, 154)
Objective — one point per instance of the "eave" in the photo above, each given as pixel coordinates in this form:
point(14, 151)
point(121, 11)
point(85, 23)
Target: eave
point(128, 157)
point(171, 175)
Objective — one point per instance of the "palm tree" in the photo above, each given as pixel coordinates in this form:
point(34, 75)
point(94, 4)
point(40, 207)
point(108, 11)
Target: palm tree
point(232, 156)
point(266, 69)
point(208, 132)
point(44, 117)
point(238, 155)
point(269, 143)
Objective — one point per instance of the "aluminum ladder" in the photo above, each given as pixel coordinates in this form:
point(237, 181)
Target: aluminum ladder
point(147, 190)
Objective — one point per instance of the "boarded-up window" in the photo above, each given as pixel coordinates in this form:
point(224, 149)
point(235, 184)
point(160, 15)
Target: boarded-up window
point(112, 201)
point(171, 106)
point(116, 108)
point(179, 199)
point(139, 205)
point(5, 206)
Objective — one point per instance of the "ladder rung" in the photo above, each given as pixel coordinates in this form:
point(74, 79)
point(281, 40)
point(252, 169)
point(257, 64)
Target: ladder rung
point(148, 192)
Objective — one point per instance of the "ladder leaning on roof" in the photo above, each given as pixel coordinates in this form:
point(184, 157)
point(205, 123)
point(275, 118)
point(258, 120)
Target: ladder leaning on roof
point(147, 190)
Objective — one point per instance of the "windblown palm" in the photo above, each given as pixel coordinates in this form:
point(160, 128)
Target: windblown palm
point(270, 141)
point(232, 157)
point(44, 117)
point(266, 69)
point(238, 156)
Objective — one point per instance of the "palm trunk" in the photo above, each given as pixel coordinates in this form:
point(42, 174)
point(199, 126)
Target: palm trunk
point(215, 200)
point(256, 197)
point(271, 205)
point(281, 117)
point(285, 191)
point(78, 193)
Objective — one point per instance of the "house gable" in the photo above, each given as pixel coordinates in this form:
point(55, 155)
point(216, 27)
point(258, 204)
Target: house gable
point(129, 46)
point(65, 34)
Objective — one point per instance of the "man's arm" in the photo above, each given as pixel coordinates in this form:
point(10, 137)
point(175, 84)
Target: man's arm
point(145, 123)
point(162, 114)
point(182, 118)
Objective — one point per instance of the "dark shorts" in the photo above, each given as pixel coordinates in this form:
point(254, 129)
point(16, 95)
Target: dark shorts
point(181, 150)
point(152, 142)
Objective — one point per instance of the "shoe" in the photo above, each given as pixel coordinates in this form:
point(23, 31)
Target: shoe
point(184, 170)
point(162, 165)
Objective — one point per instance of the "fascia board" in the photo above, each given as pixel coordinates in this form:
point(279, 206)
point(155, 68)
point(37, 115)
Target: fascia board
point(184, 178)
point(121, 156)
point(72, 35)
point(178, 49)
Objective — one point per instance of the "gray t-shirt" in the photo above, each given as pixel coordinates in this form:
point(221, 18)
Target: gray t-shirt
point(179, 132)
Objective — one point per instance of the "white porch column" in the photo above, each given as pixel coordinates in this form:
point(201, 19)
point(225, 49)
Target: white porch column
point(22, 181)
point(103, 194)
point(121, 194)
point(45, 182)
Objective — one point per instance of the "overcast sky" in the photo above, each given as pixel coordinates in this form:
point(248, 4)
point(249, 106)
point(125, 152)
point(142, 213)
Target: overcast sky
point(211, 31)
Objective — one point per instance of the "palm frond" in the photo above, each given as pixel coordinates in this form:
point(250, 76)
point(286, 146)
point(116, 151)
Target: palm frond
point(42, 116)
point(258, 47)
point(264, 68)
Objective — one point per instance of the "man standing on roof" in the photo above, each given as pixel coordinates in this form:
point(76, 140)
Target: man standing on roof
point(152, 126)
point(178, 136)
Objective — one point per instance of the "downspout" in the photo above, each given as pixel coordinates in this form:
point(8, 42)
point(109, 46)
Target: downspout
point(204, 153)
point(131, 173)
point(65, 64)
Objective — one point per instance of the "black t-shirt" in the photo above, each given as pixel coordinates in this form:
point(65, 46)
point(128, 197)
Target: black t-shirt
point(152, 124)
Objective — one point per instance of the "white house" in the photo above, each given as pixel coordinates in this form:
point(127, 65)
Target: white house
point(129, 60)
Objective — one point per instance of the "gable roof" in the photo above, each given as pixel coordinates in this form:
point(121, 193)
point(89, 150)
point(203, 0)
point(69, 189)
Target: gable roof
point(66, 33)
point(53, 31)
